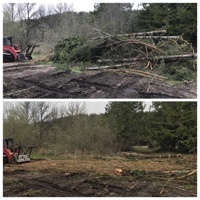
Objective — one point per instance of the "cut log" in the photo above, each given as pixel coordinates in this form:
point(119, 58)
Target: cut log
point(195, 171)
point(150, 58)
point(142, 73)
point(157, 37)
point(111, 66)
point(102, 32)
point(149, 33)
point(130, 71)
point(129, 35)
point(148, 156)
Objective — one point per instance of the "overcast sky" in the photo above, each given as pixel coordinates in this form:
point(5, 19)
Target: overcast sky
point(77, 4)
point(96, 106)
point(89, 5)
point(92, 106)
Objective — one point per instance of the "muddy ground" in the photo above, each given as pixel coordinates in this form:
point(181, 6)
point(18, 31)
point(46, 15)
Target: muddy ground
point(30, 80)
point(100, 178)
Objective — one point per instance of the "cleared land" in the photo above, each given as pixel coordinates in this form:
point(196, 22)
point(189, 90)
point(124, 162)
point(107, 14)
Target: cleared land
point(29, 80)
point(103, 177)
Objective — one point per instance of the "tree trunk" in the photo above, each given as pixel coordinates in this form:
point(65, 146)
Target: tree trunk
point(150, 58)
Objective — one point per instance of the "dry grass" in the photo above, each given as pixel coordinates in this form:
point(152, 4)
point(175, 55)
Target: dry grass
point(107, 166)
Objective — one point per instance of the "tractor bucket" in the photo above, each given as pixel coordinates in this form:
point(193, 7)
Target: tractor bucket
point(20, 159)
point(21, 155)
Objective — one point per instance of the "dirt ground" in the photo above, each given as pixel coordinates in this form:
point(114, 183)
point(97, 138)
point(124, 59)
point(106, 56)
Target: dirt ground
point(29, 80)
point(100, 178)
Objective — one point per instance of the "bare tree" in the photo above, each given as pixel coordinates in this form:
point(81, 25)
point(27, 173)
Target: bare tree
point(41, 11)
point(24, 110)
point(9, 11)
point(62, 111)
point(27, 14)
point(63, 7)
point(50, 9)
point(114, 18)
point(76, 108)
point(41, 116)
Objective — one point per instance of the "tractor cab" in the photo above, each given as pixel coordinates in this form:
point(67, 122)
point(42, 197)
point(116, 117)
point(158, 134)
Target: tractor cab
point(8, 144)
point(7, 41)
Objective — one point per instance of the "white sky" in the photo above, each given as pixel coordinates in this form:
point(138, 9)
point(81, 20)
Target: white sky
point(89, 5)
point(77, 5)
point(92, 106)
point(95, 106)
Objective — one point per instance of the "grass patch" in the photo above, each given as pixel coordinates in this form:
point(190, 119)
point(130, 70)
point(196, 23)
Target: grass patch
point(7, 181)
point(142, 149)
point(37, 156)
point(30, 192)
point(10, 181)
point(34, 172)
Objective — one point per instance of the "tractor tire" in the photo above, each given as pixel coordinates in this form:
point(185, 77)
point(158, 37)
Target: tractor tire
point(9, 58)
point(5, 160)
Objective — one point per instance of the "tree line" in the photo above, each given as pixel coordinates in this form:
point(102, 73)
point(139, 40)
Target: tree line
point(37, 23)
point(167, 126)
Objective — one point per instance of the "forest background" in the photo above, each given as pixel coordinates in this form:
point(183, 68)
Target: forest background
point(168, 126)
point(46, 25)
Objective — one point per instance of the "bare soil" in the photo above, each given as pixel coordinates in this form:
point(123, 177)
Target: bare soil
point(99, 178)
point(30, 80)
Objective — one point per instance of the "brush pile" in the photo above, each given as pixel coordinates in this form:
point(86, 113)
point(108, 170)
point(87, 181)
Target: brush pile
point(137, 50)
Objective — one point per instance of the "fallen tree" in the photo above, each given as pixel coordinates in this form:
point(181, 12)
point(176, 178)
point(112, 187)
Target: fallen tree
point(132, 50)
point(149, 58)
point(160, 32)
point(125, 48)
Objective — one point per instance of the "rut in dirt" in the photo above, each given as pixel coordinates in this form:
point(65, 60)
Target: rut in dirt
point(43, 81)
point(84, 185)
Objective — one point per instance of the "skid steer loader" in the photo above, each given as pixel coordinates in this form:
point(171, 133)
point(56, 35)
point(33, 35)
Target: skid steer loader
point(15, 155)
point(12, 52)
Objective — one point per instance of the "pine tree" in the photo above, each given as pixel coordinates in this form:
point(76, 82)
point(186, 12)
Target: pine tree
point(174, 125)
point(176, 18)
point(125, 120)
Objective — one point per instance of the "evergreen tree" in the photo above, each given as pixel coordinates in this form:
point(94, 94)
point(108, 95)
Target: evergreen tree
point(174, 125)
point(125, 120)
point(176, 18)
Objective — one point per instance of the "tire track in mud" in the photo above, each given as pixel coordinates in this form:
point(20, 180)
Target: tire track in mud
point(78, 185)
point(27, 80)
point(26, 70)
point(39, 90)
point(43, 185)
point(45, 182)
point(51, 189)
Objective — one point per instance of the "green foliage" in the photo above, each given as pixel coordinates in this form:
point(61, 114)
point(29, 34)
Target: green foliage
point(169, 126)
point(142, 149)
point(124, 118)
point(65, 47)
point(175, 125)
point(176, 18)
point(179, 71)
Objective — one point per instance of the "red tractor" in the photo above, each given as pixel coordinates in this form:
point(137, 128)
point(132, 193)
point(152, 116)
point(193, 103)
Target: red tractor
point(14, 155)
point(13, 53)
